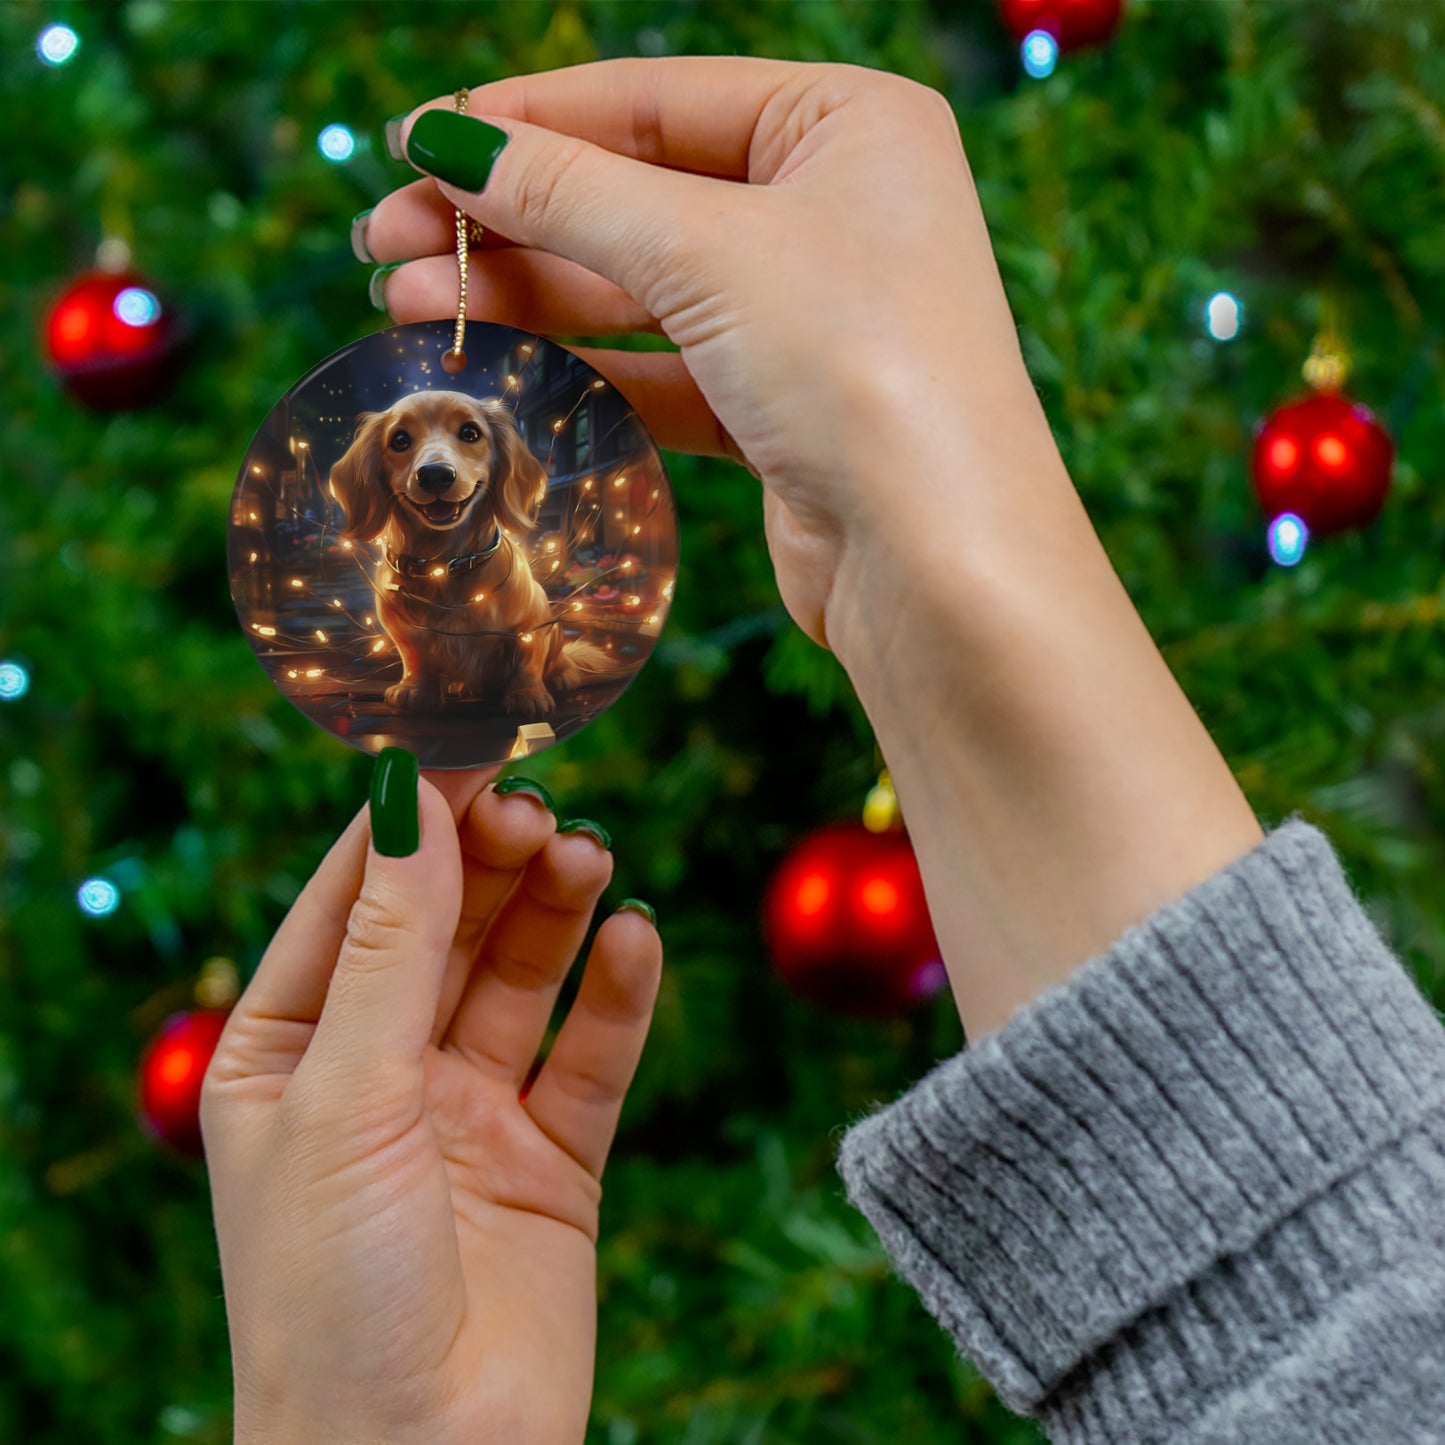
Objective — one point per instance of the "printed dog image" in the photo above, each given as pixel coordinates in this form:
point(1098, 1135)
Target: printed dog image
point(445, 484)
point(472, 562)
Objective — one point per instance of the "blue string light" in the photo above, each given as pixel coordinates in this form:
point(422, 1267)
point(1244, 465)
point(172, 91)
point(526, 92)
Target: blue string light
point(1288, 537)
point(336, 143)
point(1223, 316)
point(98, 897)
point(57, 44)
point(1040, 53)
point(14, 681)
point(136, 306)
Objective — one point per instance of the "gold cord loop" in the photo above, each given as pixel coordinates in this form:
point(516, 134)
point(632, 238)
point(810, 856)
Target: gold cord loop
point(469, 232)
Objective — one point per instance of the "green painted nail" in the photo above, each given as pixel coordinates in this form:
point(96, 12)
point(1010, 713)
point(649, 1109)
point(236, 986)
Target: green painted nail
point(359, 247)
point(636, 905)
point(395, 825)
point(392, 132)
point(532, 789)
point(376, 288)
point(586, 825)
point(455, 148)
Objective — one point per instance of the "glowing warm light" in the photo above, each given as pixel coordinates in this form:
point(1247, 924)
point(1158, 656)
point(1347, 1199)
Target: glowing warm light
point(438, 571)
point(632, 600)
point(1040, 54)
point(378, 645)
point(336, 602)
point(57, 44)
point(256, 470)
point(336, 143)
point(526, 637)
point(253, 516)
point(586, 486)
point(627, 565)
point(525, 350)
point(576, 607)
point(550, 545)
point(369, 621)
point(297, 582)
point(176, 1066)
point(598, 384)
point(1331, 451)
point(879, 897)
point(98, 897)
point(480, 597)
point(313, 672)
point(652, 621)
point(556, 564)
point(1283, 454)
point(667, 589)
point(811, 895)
point(655, 494)
point(264, 631)
point(290, 672)
point(253, 556)
point(636, 530)
point(321, 636)
point(558, 425)
point(346, 546)
point(617, 515)
point(511, 380)
point(1223, 316)
point(620, 481)
point(1288, 536)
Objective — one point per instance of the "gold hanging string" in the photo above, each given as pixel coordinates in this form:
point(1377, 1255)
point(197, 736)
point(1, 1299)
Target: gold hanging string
point(1328, 366)
point(469, 232)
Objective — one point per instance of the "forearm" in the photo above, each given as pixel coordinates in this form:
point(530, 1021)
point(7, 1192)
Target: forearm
point(1056, 782)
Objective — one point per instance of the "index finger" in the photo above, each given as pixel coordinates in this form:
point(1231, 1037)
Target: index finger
point(696, 113)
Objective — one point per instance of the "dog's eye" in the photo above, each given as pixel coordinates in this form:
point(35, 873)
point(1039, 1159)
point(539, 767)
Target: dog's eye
point(400, 441)
point(470, 432)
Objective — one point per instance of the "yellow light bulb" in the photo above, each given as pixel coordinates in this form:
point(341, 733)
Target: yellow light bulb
point(636, 530)
point(321, 636)
point(297, 582)
point(576, 607)
point(313, 672)
point(346, 546)
point(526, 637)
point(264, 631)
point(253, 556)
point(438, 571)
point(377, 645)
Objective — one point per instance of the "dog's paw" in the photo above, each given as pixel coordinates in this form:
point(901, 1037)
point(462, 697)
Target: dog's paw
point(530, 701)
point(411, 696)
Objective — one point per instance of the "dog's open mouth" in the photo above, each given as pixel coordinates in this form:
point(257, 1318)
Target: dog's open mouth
point(440, 513)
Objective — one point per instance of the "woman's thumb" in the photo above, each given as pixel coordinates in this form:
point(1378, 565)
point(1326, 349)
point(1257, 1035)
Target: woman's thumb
point(382, 1000)
point(628, 221)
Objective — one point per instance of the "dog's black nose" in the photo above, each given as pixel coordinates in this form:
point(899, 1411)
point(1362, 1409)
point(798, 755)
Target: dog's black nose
point(435, 477)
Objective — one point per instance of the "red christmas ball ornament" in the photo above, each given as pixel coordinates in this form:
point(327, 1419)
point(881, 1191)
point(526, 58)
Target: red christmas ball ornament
point(112, 341)
point(847, 924)
point(171, 1071)
point(1072, 23)
point(1324, 458)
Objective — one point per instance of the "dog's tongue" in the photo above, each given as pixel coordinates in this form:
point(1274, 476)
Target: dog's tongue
point(440, 511)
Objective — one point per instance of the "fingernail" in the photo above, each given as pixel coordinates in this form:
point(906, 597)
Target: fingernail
point(359, 247)
point(395, 824)
point(586, 825)
point(636, 905)
point(455, 148)
point(532, 789)
point(393, 136)
point(376, 288)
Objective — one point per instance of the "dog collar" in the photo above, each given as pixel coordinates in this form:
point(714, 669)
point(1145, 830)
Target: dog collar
point(427, 566)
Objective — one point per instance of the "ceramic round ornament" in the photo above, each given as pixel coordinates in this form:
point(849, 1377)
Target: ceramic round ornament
point(468, 554)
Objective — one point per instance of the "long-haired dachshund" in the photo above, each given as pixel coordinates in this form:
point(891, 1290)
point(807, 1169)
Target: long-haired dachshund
point(446, 484)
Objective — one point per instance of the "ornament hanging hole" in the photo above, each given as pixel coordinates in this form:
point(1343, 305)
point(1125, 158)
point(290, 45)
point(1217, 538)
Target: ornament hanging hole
point(453, 361)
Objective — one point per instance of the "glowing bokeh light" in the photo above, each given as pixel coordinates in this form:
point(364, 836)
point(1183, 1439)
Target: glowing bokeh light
point(1331, 451)
point(98, 897)
point(14, 681)
point(812, 895)
point(879, 897)
point(1283, 454)
point(1223, 316)
point(1040, 53)
point(1288, 537)
point(336, 143)
point(136, 306)
point(57, 44)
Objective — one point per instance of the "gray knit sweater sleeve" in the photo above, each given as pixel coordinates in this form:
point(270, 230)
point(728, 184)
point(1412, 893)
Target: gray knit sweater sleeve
point(1196, 1192)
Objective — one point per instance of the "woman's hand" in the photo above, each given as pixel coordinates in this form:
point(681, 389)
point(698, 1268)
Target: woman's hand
point(809, 236)
point(407, 1246)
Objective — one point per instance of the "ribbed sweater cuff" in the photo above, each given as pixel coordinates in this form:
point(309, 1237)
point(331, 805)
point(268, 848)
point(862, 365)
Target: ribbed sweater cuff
point(1168, 1151)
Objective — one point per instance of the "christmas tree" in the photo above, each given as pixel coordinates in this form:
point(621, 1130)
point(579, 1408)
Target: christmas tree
point(1178, 213)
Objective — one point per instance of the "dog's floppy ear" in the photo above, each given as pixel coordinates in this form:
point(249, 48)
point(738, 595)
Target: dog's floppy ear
point(358, 483)
point(519, 480)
